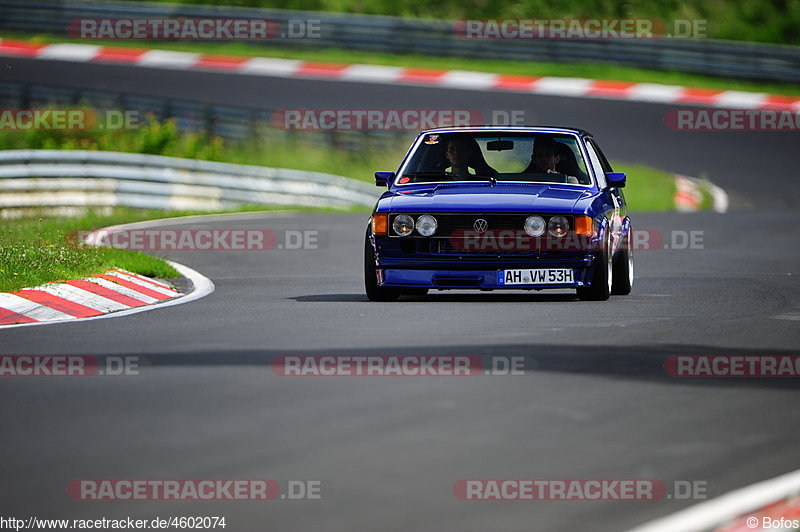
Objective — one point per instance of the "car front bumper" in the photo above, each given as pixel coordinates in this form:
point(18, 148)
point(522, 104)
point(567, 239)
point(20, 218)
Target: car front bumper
point(477, 274)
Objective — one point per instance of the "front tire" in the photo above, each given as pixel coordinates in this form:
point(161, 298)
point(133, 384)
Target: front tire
point(623, 268)
point(375, 292)
point(602, 277)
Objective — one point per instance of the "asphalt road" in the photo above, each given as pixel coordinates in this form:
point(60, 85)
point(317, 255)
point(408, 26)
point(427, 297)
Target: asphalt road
point(594, 403)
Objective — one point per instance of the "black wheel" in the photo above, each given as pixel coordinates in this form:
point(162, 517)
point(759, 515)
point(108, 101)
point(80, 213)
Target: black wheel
point(623, 268)
point(602, 278)
point(375, 292)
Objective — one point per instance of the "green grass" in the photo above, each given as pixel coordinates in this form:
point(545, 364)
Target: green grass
point(151, 137)
point(39, 250)
point(529, 68)
point(776, 21)
point(647, 188)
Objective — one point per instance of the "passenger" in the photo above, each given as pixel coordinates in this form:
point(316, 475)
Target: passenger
point(545, 157)
point(464, 153)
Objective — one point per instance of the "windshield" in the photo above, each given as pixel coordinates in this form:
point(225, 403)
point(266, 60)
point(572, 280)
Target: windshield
point(526, 157)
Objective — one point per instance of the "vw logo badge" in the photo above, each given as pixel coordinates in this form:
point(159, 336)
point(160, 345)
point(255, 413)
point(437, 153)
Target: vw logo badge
point(480, 225)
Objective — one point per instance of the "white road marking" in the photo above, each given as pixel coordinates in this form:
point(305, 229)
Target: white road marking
point(28, 308)
point(121, 289)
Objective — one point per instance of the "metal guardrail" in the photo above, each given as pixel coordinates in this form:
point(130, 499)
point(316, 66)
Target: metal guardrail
point(436, 37)
point(31, 179)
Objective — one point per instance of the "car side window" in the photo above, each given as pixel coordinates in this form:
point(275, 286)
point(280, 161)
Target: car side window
point(597, 166)
point(601, 156)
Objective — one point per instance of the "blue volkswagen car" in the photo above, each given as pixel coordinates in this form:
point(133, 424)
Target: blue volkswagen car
point(499, 208)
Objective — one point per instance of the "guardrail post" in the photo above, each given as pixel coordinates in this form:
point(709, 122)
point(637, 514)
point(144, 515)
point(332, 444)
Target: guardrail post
point(25, 96)
point(208, 120)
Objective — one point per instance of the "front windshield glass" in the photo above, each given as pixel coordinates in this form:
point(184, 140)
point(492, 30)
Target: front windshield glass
point(478, 156)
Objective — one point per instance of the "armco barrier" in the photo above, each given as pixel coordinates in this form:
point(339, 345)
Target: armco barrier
point(31, 179)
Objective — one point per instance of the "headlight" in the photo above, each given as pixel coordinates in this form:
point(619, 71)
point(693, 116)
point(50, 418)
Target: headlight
point(558, 226)
point(426, 225)
point(535, 225)
point(403, 224)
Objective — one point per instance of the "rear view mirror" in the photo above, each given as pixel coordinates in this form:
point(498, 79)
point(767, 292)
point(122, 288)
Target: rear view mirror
point(500, 145)
point(382, 179)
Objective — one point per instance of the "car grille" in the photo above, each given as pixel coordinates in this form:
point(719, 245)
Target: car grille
point(443, 246)
point(448, 224)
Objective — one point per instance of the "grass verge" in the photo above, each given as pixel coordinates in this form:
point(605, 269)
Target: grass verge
point(529, 68)
point(37, 250)
point(647, 188)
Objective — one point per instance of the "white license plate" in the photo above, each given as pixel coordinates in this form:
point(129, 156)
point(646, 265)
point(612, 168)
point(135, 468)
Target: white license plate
point(538, 276)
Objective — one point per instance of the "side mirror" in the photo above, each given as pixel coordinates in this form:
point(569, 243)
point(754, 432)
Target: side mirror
point(616, 179)
point(382, 179)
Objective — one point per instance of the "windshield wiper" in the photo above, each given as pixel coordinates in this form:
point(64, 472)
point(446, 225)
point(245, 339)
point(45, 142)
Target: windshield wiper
point(442, 173)
point(435, 173)
point(491, 179)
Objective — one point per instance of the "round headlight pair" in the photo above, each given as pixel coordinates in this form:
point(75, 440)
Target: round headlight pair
point(403, 225)
point(558, 226)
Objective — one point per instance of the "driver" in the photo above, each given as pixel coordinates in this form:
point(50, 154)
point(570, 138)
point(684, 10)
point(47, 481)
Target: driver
point(464, 153)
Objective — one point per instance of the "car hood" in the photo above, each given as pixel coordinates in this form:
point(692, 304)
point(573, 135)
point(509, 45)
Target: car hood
point(504, 197)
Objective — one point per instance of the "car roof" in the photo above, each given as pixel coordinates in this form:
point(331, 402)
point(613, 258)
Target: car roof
point(509, 129)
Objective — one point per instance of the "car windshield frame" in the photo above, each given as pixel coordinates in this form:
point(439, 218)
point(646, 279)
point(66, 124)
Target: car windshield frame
point(499, 133)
